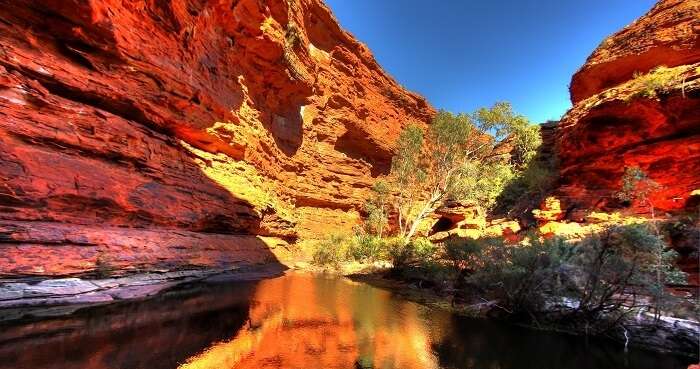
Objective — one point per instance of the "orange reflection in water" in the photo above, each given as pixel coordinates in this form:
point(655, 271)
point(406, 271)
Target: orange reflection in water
point(305, 321)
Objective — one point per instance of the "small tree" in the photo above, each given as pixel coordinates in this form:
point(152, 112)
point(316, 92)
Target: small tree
point(637, 186)
point(619, 259)
point(407, 174)
point(460, 157)
point(377, 209)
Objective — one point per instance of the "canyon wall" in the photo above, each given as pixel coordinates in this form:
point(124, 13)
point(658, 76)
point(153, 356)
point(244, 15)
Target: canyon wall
point(636, 102)
point(161, 134)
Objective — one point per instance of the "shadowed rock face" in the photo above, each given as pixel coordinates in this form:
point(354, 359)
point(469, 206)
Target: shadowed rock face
point(226, 117)
point(613, 124)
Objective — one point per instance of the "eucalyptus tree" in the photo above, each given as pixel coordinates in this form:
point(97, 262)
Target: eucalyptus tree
point(459, 156)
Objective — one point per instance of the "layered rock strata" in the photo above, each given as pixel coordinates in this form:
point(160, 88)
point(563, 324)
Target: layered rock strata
point(636, 103)
point(175, 132)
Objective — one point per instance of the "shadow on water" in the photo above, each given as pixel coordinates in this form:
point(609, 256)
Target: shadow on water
point(296, 321)
point(156, 333)
point(487, 344)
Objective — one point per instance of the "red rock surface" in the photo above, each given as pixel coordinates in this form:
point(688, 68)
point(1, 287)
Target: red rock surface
point(223, 117)
point(54, 249)
point(616, 123)
point(613, 125)
point(666, 35)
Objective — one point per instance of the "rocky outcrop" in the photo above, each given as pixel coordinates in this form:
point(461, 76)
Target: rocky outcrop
point(184, 120)
point(666, 35)
point(636, 103)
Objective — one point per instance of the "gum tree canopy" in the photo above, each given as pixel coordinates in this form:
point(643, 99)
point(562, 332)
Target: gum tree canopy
point(468, 157)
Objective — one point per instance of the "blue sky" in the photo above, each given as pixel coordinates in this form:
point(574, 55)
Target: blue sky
point(464, 54)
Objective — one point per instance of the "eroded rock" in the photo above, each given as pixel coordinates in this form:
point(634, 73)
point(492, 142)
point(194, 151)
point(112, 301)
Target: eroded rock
point(202, 119)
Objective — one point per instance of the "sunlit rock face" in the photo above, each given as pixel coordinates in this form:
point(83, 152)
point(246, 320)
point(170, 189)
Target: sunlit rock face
point(614, 123)
point(666, 35)
point(225, 117)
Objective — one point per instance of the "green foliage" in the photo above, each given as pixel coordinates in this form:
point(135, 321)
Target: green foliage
point(636, 185)
point(377, 210)
point(292, 35)
point(527, 187)
point(332, 251)
point(400, 254)
point(405, 166)
point(527, 140)
point(449, 139)
point(103, 268)
point(522, 277)
point(627, 259)
point(367, 248)
point(658, 81)
point(422, 248)
point(460, 158)
point(483, 182)
point(403, 254)
point(467, 253)
point(507, 126)
point(601, 275)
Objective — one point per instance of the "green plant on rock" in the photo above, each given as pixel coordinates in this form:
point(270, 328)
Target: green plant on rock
point(637, 186)
point(292, 35)
point(103, 267)
point(657, 82)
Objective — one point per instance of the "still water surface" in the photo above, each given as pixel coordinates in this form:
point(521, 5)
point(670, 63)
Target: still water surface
point(296, 321)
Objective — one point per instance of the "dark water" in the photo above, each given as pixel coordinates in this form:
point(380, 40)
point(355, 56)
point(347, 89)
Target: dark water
point(296, 321)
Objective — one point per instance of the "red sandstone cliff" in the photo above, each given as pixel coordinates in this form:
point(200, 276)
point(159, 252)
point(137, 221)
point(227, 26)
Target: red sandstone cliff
point(177, 123)
point(628, 113)
point(637, 103)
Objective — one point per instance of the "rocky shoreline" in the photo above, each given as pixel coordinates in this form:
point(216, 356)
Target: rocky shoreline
point(669, 335)
point(63, 296)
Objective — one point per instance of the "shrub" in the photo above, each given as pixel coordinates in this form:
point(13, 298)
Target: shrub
point(377, 208)
point(614, 267)
point(103, 268)
point(658, 81)
point(399, 253)
point(331, 251)
point(465, 253)
point(402, 253)
point(364, 247)
point(423, 249)
point(589, 284)
point(292, 35)
point(522, 277)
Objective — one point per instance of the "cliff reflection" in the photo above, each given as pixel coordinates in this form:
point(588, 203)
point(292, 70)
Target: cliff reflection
point(316, 322)
point(295, 321)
